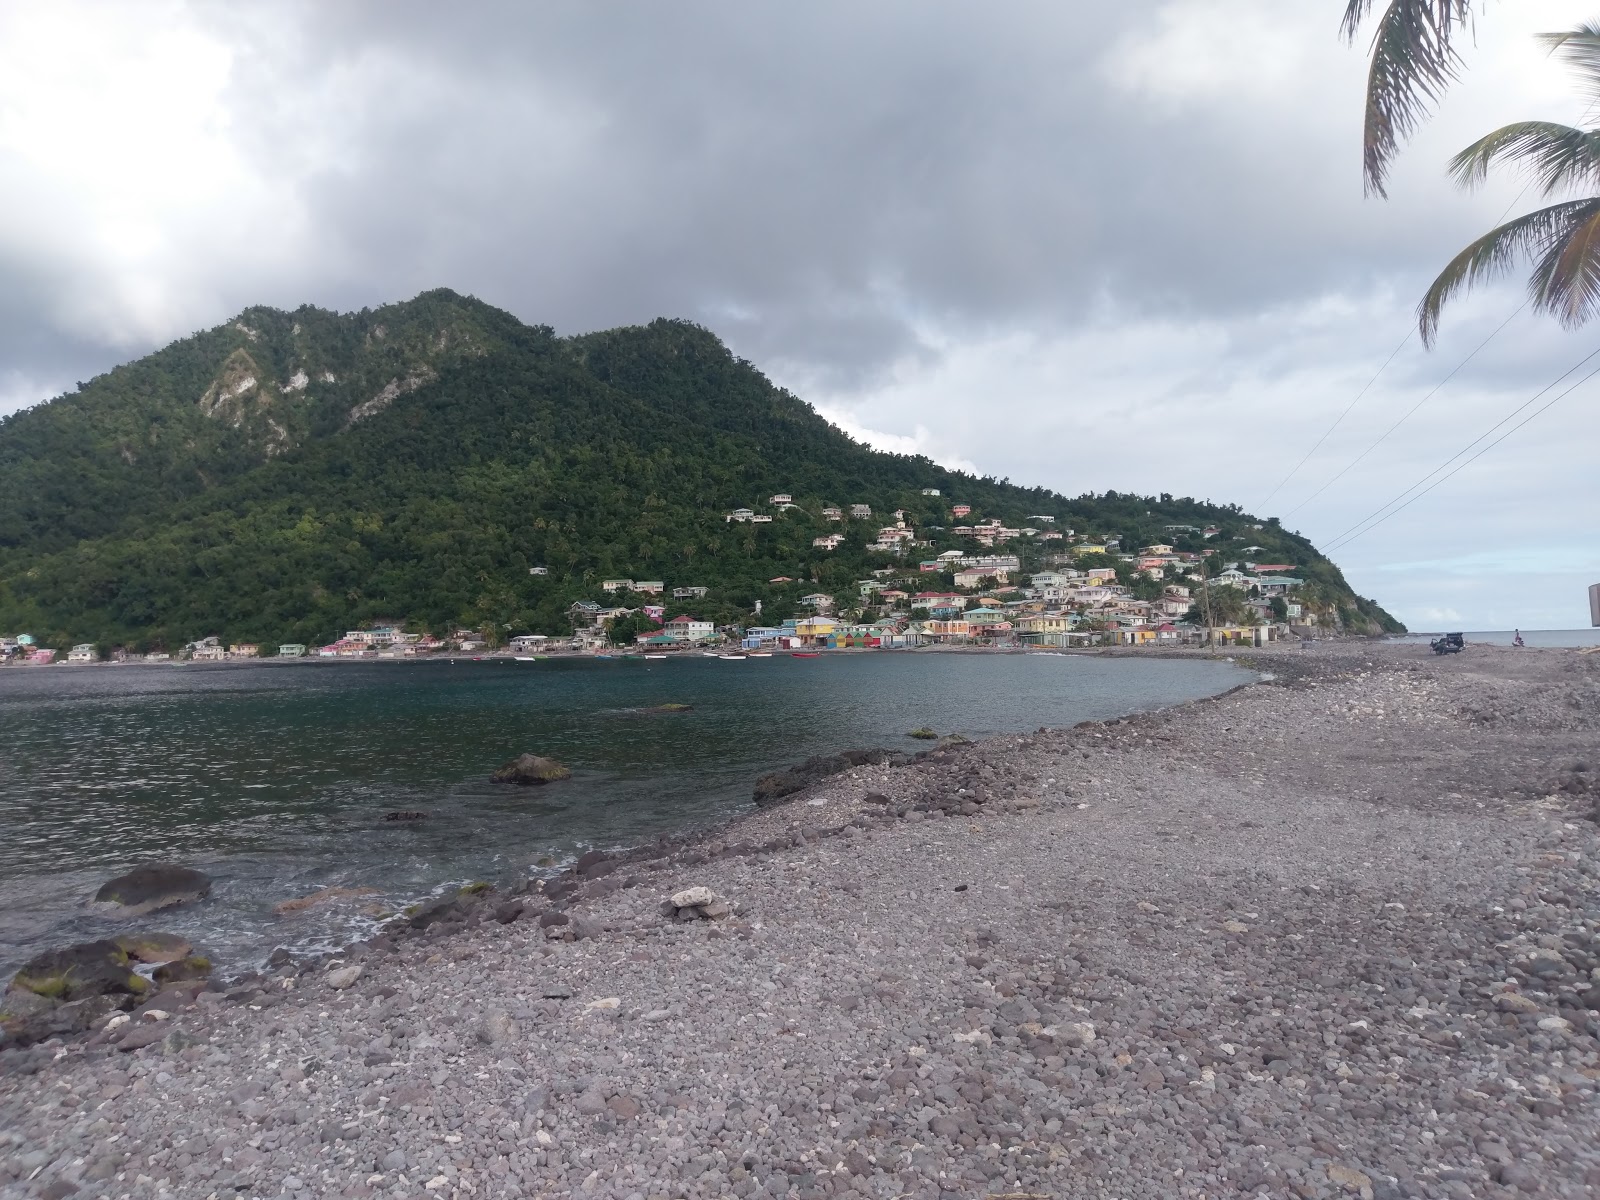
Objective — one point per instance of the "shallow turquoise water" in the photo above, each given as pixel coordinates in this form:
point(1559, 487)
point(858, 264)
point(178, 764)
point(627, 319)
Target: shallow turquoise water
point(274, 777)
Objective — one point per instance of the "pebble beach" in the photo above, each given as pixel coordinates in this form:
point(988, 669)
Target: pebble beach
point(1332, 934)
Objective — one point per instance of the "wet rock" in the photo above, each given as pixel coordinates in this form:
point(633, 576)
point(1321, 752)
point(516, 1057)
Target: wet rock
point(154, 947)
point(406, 816)
point(77, 972)
point(286, 908)
point(531, 769)
point(145, 889)
point(192, 967)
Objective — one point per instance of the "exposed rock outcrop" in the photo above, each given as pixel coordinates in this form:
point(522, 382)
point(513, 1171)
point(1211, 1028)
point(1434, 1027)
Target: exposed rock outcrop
point(528, 769)
point(145, 889)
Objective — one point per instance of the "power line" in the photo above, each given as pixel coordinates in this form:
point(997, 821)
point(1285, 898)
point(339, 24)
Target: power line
point(1465, 449)
point(1343, 540)
point(1337, 421)
point(1327, 433)
point(1384, 436)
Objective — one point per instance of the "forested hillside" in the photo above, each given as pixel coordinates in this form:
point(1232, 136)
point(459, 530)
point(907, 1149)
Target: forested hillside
point(287, 476)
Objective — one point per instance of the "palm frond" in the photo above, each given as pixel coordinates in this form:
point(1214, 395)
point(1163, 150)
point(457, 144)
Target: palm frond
point(1581, 49)
point(1566, 281)
point(1558, 156)
point(1532, 234)
point(1413, 61)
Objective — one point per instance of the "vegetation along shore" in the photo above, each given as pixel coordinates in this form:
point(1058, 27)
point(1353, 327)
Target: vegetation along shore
point(1331, 934)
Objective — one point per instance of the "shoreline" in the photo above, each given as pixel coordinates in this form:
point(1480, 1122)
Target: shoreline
point(916, 950)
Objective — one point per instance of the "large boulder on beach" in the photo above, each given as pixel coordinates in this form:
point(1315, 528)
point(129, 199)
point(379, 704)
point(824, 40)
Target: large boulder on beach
point(145, 889)
point(528, 769)
point(774, 787)
point(153, 947)
point(100, 968)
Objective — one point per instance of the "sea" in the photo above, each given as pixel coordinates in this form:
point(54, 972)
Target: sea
point(1550, 638)
point(275, 778)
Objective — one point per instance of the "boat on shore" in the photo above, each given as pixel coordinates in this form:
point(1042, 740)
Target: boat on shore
point(805, 654)
point(759, 654)
point(733, 657)
point(655, 658)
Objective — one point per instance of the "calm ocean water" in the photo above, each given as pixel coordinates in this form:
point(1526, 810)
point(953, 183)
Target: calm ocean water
point(1550, 638)
point(274, 778)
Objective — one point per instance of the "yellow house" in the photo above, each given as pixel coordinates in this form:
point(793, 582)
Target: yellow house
point(813, 628)
point(1044, 623)
point(1089, 548)
point(959, 627)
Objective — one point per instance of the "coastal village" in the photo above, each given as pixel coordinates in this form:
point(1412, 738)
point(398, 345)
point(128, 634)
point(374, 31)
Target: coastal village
point(1035, 585)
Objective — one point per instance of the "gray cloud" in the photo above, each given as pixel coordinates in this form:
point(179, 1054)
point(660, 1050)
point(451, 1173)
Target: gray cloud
point(1133, 233)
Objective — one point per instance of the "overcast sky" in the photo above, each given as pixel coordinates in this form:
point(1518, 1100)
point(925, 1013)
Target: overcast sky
point(1078, 244)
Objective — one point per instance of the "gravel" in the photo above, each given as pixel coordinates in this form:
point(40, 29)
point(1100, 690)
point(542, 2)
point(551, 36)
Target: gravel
point(1334, 935)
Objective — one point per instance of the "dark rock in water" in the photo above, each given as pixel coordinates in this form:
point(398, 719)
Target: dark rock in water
point(923, 734)
point(193, 966)
point(431, 912)
point(405, 816)
point(774, 787)
point(145, 889)
point(153, 947)
point(78, 972)
point(528, 769)
point(668, 708)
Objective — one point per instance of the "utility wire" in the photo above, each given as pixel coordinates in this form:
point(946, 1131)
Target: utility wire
point(1531, 400)
point(1337, 421)
point(1344, 540)
point(1384, 436)
point(1327, 433)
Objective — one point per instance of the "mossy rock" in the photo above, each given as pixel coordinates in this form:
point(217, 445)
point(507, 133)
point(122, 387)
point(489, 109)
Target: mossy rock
point(77, 972)
point(477, 888)
point(145, 889)
point(153, 947)
point(531, 769)
point(195, 966)
point(923, 734)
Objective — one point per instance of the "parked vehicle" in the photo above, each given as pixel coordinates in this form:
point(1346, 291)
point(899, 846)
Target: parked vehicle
point(1450, 643)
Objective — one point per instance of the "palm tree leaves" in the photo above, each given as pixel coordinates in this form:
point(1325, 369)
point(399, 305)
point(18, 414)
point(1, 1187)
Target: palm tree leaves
point(1564, 239)
point(1559, 156)
point(1413, 61)
point(1581, 48)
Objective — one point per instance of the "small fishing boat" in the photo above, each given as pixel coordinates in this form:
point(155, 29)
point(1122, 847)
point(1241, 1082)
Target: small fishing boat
point(526, 658)
point(732, 657)
point(805, 654)
point(608, 656)
point(708, 654)
point(760, 654)
point(655, 658)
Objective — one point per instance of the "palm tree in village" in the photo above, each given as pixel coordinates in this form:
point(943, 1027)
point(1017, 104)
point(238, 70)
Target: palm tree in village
point(1413, 60)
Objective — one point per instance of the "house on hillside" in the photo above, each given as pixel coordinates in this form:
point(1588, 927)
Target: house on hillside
point(616, 585)
point(820, 601)
point(83, 652)
point(689, 593)
point(584, 613)
point(739, 514)
point(831, 513)
point(690, 629)
point(930, 491)
point(244, 650)
point(974, 577)
point(782, 498)
point(527, 643)
point(649, 587)
point(292, 650)
point(960, 510)
point(861, 512)
point(207, 649)
point(538, 570)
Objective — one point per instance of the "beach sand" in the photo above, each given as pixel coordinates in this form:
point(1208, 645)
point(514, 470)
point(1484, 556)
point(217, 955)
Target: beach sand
point(1334, 934)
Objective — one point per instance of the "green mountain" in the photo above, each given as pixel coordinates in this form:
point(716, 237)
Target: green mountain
point(286, 476)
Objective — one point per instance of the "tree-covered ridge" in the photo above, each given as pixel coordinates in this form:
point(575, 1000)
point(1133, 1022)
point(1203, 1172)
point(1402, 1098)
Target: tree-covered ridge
point(452, 450)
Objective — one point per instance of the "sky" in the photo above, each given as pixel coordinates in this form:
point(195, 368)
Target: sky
point(1084, 245)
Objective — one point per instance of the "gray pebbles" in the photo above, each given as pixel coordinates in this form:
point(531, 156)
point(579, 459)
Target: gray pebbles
point(1335, 935)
